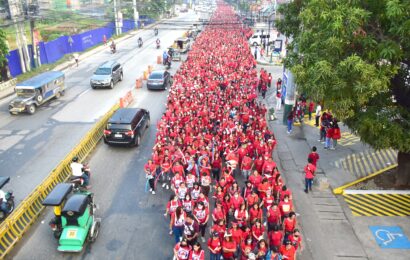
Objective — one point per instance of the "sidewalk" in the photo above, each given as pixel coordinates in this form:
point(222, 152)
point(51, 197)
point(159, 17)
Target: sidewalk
point(329, 229)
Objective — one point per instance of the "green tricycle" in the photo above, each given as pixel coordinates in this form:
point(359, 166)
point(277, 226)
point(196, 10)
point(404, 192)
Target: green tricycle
point(74, 222)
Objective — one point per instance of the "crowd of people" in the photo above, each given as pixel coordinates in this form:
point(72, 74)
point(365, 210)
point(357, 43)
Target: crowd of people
point(213, 152)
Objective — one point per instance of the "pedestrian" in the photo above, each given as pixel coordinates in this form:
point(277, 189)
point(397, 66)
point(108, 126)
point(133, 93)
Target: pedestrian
point(288, 251)
point(336, 134)
point(201, 214)
point(314, 156)
point(310, 170)
point(310, 109)
point(197, 253)
point(176, 224)
point(76, 58)
point(172, 205)
point(105, 39)
point(228, 247)
point(261, 250)
point(278, 100)
point(214, 246)
point(269, 80)
point(264, 88)
point(296, 239)
point(289, 225)
point(290, 121)
point(329, 135)
point(273, 253)
point(318, 113)
point(191, 229)
point(150, 170)
point(216, 166)
point(182, 250)
point(255, 53)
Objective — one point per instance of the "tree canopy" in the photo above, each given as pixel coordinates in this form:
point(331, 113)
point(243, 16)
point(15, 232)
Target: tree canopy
point(4, 51)
point(355, 56)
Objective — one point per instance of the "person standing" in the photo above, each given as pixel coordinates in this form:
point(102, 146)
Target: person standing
point(76, 58)
point(278, 100)
point(336, 134)
point(310, 109)
point(182, 250)
point(105, 39)
point(197, 253)
point(309, 175)
point(201, 214)
point(290, 121)
point(176, 224)
point(191, 229)
point(314, 156)
point(318, 113)
point(329, 135)
point(269, 80)
point(214, 246)
point(150, 170)
point(255, 52)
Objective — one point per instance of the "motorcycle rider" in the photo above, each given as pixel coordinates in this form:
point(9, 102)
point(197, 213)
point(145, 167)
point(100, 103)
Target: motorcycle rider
point(77, 170)
point(3, 202)
point(164, 57)
point(139, 42)
point(113, 47)
point(158, 43)
point(156, 31)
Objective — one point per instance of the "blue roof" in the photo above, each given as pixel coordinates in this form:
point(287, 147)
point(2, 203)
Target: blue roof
point(41, 79)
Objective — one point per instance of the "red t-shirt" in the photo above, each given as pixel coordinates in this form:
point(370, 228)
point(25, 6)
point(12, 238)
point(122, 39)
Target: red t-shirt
point(228, 245)
point(214, 243)
point(315, 157)
point(197, 255)
point(290, 254)
point(275, 238)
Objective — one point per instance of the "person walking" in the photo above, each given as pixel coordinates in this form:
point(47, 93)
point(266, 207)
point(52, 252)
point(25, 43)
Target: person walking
point(314, 156)
point(150, 170)
point(318, 113)
point(176, 224)
point(76, 58)
point(290, 121)
point(310, 170)
point(329, 135)
point(255, 52)
point(278, 100)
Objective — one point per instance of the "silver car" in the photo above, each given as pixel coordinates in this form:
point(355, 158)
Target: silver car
point(107, 74)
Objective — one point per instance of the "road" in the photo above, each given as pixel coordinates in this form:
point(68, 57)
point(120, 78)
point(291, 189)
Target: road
point(133, 225)
point(32, 145)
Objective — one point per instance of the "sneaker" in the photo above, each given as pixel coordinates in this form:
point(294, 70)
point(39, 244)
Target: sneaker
point(264, 223)
point(332, 148)
point(203, 239)
point(306, 191)
point(319, 140)
point(150, 190)
point(153, 192)
point(167, 187)
point(163, 185)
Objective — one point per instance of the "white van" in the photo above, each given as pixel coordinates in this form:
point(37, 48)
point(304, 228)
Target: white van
point(255, 40)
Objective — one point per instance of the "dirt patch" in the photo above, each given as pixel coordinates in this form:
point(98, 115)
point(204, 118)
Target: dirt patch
point(384, 181)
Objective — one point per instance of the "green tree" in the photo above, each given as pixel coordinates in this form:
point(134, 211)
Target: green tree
point(355, 55)
point(4, 51)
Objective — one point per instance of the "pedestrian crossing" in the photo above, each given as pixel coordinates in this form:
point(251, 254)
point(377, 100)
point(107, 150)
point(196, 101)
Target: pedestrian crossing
point(383, 204)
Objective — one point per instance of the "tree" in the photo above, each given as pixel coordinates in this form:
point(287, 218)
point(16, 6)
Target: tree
point(355, 55)
point(4, 51)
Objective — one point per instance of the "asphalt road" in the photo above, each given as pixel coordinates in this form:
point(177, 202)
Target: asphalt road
point(32, 145)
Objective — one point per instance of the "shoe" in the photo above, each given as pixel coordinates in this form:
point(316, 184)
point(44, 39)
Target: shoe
point(306, 191)
point(203, 239)
point(167, 187)
point(264, 223)
point(332, 148)
point(150, 190)
point(163, 185)
point(153, 192)
point(326, 147)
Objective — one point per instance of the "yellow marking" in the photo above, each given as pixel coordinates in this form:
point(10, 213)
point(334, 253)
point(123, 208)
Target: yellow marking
point(386, 205)
point(381, 158)
point(392, 155)
point(366, 202)
point(399, 199)
point(359, 162)
point(366, 165)
point(373, 160)
point(356, 204)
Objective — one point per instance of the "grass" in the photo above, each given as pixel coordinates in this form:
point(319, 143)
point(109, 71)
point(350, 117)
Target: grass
point(42, 68)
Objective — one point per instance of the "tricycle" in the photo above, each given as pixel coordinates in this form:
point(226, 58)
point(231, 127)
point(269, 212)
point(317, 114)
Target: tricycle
point(7, 206)
point(75, 222)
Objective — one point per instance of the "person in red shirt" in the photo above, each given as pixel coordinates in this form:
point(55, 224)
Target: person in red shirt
point(216, 166)
point(273, 217)
point(259, 164)
point(255, 179)
point(201, 214)
point(255, 213)
point(311, 107)
point(150, 173)
point(246, 247)
point(237, 234)
point(252, 198)
point(246, 166)
point(268, 166)
point(314, 156)
point(197, 253)
point(218, 213)
point(241, 215)
point(289, 225)
point(285, 207)
point(275, 237)
point(309, 175)
point(214, 246)
point(257, 231)
point(336, 134)
point(296, 239)
point(182, 250)
point(288, 251)
point(172, 205)
point(228, 247)
point(237, 200)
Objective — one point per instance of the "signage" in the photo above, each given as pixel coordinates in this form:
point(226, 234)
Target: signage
point(390, 237)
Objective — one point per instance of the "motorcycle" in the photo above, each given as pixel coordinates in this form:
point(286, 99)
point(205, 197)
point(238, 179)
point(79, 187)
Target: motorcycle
point(158, 45)
point(9, 199)
point(155, 32)
point(78, 181)
point(113, 49)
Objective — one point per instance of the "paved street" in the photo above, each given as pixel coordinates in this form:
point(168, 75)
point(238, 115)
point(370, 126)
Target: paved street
point(31, 146)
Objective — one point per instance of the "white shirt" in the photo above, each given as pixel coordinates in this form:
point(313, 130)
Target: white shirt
point(318, 110)
point(2, 195)
point(76, 169)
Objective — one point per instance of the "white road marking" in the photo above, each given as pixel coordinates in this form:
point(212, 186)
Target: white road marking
point(85, 91)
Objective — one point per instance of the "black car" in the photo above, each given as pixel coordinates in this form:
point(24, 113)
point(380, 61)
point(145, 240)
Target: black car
point(126, 126)
point(159, 79)
point(107, 74)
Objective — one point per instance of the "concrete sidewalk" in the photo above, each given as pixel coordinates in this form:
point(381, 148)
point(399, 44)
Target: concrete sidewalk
point(329, 229)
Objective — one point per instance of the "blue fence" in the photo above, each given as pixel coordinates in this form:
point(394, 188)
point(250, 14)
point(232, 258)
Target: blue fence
point(52, 51)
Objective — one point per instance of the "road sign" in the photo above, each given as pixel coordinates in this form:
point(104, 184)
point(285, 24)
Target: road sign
point(390, 237)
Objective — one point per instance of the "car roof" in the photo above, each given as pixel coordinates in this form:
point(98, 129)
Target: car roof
point(158, 72)
point(41, 79)
point(76, 204)
point(123, 116)
point(108, 64)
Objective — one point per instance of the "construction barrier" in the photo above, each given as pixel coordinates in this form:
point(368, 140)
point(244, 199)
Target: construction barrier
point(159, 60)
point(127, 99)
point(20, 220)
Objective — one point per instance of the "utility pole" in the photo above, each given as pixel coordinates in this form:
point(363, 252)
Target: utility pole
point(117, 19)
point(136, 15)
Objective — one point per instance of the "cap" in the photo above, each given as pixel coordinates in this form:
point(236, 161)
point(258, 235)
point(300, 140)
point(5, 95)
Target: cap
point(215, 234)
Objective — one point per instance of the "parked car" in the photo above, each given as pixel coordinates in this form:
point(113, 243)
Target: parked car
point(159, 79)
point(126, 126)
point(107, 74)
point(36, 91)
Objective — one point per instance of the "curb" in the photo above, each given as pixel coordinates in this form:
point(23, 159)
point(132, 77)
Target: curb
point(401, 192)
point(265, 63)
point(341, 190)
